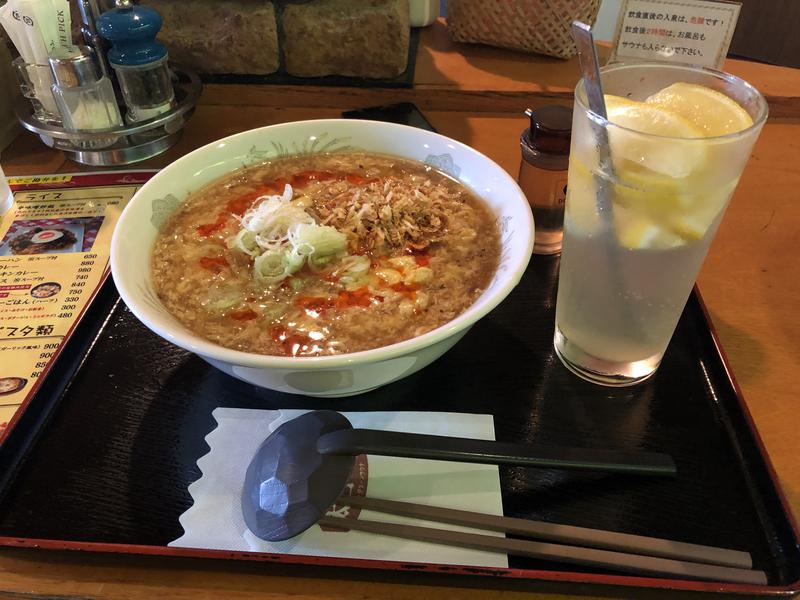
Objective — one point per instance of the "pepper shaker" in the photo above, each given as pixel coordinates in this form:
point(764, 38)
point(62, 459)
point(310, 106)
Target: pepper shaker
point(543, 173)
point(138, 59)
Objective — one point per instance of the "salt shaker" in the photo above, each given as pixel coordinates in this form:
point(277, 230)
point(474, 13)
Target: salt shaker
point(84, 97)
point(138, 59)
point(543, 173)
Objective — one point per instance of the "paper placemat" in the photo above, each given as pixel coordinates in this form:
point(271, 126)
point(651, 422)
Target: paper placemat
point(215, 520)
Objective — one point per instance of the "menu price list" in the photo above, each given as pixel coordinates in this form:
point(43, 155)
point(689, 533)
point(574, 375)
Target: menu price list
point(54, 253)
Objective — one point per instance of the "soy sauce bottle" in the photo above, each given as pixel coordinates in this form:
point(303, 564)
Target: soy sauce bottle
point(543, 173)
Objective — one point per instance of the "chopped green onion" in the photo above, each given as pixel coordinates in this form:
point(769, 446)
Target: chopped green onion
point(319, 262)
point(283, 237)
point(246, 242)
point(325, 240)
point(270, 265)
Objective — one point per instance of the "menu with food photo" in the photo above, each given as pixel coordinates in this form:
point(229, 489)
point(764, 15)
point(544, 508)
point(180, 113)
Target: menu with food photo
point(54, 249)
point(50, 236)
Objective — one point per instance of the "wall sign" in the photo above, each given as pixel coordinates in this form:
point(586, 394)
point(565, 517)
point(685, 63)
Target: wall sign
point(696, 32)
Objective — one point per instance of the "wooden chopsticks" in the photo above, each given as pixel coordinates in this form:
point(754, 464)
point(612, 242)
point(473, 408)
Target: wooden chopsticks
point(591, 547)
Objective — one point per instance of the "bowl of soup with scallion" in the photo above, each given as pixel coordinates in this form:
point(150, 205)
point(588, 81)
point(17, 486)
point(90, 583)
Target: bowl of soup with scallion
point(323, 258)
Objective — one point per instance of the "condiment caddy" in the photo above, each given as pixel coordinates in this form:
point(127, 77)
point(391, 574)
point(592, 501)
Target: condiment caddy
point(132, 143)
point(110, 102)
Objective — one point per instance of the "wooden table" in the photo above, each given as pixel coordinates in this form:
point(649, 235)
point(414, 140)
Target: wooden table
point(750, 282)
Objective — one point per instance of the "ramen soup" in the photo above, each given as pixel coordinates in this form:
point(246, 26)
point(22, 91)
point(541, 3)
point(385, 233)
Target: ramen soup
point(324, 254)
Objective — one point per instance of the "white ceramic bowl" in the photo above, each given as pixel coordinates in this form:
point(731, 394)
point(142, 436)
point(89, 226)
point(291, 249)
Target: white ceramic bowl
point(341, 375)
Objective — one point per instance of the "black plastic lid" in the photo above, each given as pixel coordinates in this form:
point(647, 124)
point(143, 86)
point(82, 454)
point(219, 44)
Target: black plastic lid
point(551, 128)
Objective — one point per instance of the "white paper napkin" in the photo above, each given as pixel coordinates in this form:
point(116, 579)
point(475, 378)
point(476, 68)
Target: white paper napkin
point(215, 521)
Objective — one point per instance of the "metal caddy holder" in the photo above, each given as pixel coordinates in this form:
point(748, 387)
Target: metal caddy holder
point(135, 142)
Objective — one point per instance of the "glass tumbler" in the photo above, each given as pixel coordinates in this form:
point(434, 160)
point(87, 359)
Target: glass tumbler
point(638, 223)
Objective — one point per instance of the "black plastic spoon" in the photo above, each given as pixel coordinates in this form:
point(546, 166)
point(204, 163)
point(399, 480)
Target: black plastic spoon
point(303, 466)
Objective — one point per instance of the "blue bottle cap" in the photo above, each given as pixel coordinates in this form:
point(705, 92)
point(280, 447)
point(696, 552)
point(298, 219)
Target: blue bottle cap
point(132, 32)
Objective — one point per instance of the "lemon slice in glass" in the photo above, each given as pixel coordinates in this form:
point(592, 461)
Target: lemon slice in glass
point(711, 111)
point(636, 230)
point(641, 189)
point(692, 223)
point(653, 137)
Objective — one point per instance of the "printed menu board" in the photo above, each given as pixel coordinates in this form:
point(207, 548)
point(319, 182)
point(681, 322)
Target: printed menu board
point(54, 255)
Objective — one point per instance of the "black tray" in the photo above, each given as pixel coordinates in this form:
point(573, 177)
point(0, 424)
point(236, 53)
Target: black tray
point(102, 455)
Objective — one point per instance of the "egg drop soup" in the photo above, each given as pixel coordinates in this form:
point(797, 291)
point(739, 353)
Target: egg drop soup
point(325, 254)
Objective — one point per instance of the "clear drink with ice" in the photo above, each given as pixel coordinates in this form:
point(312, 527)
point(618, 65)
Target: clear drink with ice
point(636, 230)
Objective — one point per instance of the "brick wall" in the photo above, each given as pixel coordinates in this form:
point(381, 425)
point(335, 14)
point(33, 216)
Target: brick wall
point(363, 38)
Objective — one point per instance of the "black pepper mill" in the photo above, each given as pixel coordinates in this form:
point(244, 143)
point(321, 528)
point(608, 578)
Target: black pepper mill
point(543, 173)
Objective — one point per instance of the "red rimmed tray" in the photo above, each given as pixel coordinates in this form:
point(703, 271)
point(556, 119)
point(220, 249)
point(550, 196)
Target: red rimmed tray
point(101, 457)
point(102, 463)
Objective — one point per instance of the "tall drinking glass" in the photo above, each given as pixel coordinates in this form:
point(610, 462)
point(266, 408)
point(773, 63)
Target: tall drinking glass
point(639, 222)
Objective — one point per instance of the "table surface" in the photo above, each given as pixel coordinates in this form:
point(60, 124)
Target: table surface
point(750, 282)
